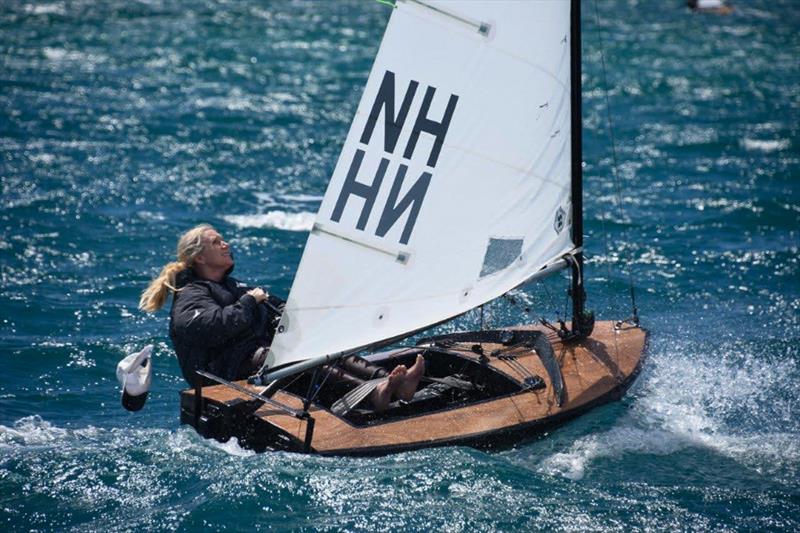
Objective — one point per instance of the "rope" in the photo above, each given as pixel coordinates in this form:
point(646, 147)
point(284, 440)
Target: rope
point(617, 187)
point(387, 3)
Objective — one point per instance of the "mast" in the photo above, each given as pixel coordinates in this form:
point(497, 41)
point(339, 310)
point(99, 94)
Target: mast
point(577, 291)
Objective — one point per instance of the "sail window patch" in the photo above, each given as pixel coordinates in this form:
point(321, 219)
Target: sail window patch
point(500, 254)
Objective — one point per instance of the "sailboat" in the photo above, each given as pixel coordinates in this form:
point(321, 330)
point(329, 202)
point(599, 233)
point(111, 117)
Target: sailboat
point(459, 180)
point(718, 7)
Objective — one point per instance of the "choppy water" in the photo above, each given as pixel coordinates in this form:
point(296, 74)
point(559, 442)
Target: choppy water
point(123, 123)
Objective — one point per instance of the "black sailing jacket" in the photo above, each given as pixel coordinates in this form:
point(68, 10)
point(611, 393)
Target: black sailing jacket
point(218, 326)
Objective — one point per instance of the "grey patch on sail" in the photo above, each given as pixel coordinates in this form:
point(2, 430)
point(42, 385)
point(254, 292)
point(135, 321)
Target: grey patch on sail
point(560, 219)
point(500, 254)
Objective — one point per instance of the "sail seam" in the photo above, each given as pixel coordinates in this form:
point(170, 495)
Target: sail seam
point(485, 157)
point(547, 267)
point(517, 57)
point(521, 170)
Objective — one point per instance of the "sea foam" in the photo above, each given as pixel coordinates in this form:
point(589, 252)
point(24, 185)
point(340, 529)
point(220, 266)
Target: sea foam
point(267, 199)
point(733, 404)
point(46, 9)
point(31, 430)
point(282, 220)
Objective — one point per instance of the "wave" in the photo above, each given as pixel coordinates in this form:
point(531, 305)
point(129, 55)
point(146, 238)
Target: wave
point(37, 432)
point(46, 9)
point(287, 199)
point(31, 430)
point(735, 404)
point(766, 146)
point(282, 220)
point(775, 453)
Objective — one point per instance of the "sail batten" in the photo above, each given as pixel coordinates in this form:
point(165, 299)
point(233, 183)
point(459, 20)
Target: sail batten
point(482, 27)
point(453, 185)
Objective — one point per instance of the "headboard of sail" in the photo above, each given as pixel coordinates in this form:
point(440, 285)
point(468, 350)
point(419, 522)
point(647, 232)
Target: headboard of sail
point(453, 185)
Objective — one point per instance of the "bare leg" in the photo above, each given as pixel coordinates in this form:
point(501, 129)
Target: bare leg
point(382, 394)
point(408, 385)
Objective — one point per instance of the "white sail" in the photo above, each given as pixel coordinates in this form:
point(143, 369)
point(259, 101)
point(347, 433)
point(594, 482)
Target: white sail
point(453, 185)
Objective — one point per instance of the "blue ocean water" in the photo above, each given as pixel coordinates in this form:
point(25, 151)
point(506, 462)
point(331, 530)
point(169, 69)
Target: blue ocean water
point(124, 123)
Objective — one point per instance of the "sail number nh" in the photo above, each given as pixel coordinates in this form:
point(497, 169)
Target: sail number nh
point(393, 126)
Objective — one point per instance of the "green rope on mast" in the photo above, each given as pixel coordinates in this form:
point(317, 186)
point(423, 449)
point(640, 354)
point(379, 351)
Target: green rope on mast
point(387, 3)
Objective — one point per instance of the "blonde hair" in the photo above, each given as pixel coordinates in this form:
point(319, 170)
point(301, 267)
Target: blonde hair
point(190, 245)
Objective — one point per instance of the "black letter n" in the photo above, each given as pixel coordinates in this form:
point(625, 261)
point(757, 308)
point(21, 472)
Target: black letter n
point(385, 100)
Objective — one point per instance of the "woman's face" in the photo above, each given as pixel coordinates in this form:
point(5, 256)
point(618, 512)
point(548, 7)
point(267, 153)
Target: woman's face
point(216, 253)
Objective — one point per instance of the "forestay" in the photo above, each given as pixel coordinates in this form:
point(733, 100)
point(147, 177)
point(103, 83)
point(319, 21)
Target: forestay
point(453, 185)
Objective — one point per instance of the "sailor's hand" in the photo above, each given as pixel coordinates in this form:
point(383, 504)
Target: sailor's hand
point(258, 293)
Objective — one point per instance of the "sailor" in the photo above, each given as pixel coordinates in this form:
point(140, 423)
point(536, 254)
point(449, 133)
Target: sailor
point(224, 327)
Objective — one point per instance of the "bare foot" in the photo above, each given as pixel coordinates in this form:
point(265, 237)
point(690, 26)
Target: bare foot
point(382, 394)
point(408, 385)
point(397, 373)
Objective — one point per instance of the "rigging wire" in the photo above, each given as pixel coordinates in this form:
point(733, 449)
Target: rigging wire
point(552, 300)
point(567, 300)
point(635, 312)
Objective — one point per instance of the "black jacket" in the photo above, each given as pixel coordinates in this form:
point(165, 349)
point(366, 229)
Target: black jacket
point(218, 326)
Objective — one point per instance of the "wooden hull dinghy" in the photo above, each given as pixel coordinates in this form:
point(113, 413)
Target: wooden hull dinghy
point(513, 396)
point(459, 181)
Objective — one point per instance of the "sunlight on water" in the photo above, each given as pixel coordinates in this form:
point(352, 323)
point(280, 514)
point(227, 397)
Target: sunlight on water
point(125, 123)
